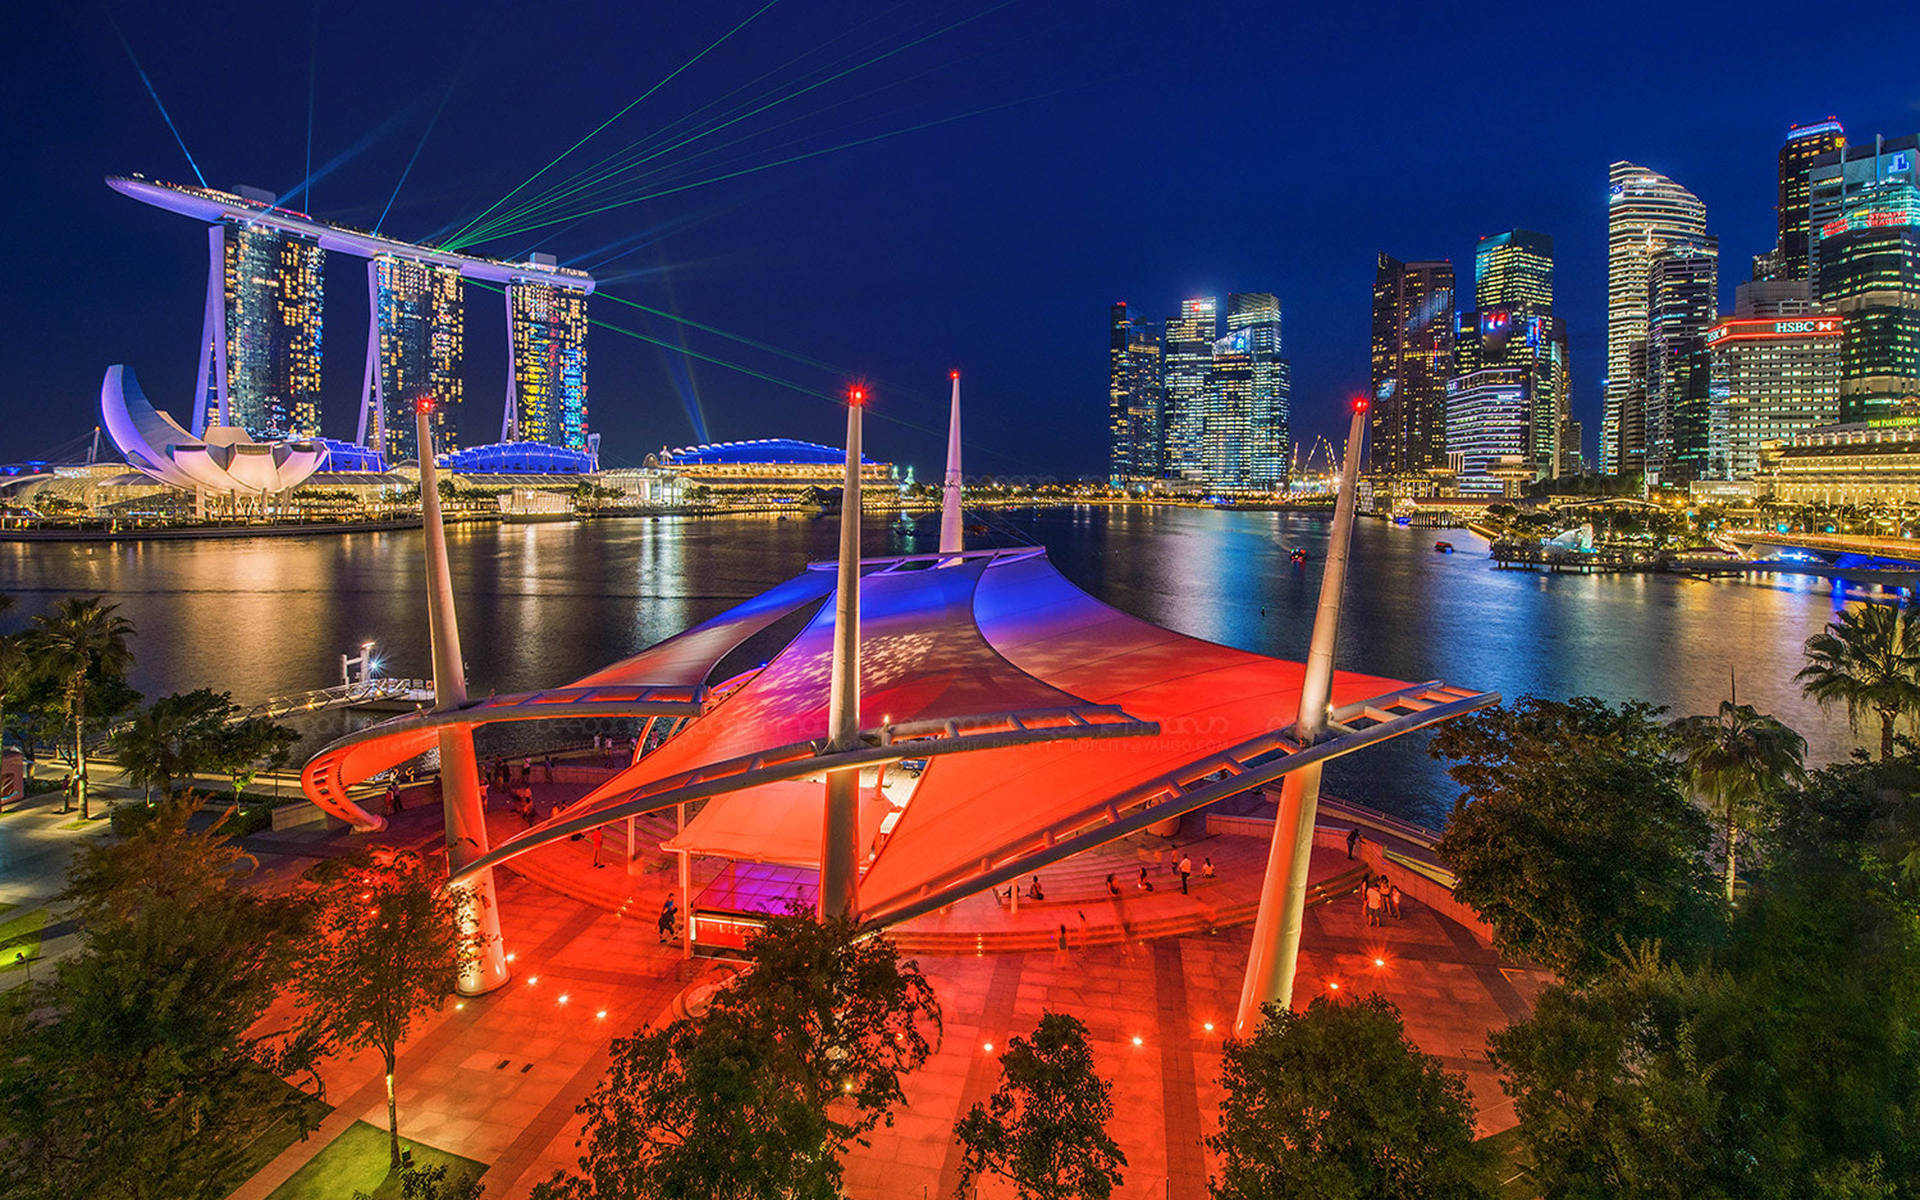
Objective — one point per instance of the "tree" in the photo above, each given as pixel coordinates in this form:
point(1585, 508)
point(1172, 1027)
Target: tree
point(1573, 837)
point(1738, 760)
point(1044, 1129)
point(138, 1071)
point(82, 641)
point(169, 741)
point(1336, 1104)
point(758, 1098)
point(1869, 660)
point(14, 665)
point(385, 946)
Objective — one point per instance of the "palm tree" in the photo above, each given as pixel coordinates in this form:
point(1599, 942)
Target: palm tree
point(78, 640)
point(1869, 660)
point(1737, 760)
point(13, 674)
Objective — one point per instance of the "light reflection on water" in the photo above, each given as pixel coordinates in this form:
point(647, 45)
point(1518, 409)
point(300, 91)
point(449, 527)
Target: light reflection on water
point(541, 604)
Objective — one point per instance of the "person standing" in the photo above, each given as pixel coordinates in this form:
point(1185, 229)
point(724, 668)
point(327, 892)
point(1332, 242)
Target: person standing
point(1374, 903)
point(1393, 900)
point(1353, 839)
point(393, 796)
point(669, 920)
point(1186, 871)
point(599, 831)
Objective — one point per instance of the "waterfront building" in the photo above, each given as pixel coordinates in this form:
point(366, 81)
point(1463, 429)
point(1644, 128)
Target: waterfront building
point(1682, 301)
point(1646, 213)
point(548, 363)
point(1860, 462)
point(1512, 325)
point(260, 366)
point(1244, 432)
point(1837, 178)
point(1413, 339)
point(1769, 379)
point(770, 468)
point(1792, 254)
point(1489, 428)
point(1133, 398)
point(1188, 361)
point(1869, 259)
point(419, 325)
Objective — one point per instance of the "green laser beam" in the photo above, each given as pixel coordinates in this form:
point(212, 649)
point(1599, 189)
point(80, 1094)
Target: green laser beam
point(812, 87)
point(628, 107)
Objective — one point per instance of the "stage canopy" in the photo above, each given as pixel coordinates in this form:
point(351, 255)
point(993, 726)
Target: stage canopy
point(1047, 721)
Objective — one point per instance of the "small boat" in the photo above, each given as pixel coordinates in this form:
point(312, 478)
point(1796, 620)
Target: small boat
point(1298, 556)
point(1443, 547)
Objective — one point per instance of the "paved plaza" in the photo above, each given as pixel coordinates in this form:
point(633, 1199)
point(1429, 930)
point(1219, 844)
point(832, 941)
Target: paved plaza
point(497, 1079)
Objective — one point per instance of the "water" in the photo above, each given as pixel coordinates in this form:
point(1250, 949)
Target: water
point(542, 604)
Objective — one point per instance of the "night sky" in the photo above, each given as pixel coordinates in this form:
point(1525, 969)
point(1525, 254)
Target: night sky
point(1103, 151)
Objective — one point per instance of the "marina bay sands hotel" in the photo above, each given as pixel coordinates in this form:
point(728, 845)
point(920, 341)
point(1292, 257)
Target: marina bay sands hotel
point(261, 342)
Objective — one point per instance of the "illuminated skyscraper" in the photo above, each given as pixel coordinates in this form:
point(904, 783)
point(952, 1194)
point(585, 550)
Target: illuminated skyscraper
point(1646, 213)
point(1245, 412)
point(1838, 177)
point(548, 365)
point(419, 327)
point(260, 355)
point(1133, 398)
point(1682, 301)
point(1769, 377)
point(1869, 259)
point(1512, 325)
point(1791, 256)
point(1188, 349)
point(1412, 359)
point(1488, 426)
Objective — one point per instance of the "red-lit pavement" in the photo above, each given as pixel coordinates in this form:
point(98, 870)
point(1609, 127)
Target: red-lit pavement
point(498, 1079)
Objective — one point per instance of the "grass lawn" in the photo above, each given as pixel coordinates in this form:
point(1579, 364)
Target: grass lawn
point(357, 1161)
point(21, 935)
point(234, 1164)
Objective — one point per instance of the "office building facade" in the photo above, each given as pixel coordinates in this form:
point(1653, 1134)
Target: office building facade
point(1839, 177)
point(1412, 358)
point(1792, 253)
point(1512, 326)
point(1246, 412)
point(1489, 429)
point(1133, 398)
point(1769, 379)
point(1646, 213)
point(1187, 361)
point(1682, 302)
point(1869, 272)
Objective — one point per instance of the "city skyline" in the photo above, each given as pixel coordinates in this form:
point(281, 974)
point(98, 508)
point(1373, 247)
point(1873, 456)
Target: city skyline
point(945, 302)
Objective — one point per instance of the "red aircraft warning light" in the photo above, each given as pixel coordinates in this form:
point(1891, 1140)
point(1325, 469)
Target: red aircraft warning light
point(423, 403)
point(1361, 404)
point(857, 397)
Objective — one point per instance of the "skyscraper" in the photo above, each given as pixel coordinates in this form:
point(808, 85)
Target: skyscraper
point(1869, 260)
point(1791, 256)
point(1188, 349)
point(1412, 359)
point(548, 363)
point(1646, 212)
point(420, 326)
point(1769, 377)
point(260, 364)
point(1244, 430)
point(1488, 426)
point(1133, 398)
point(1838, 176)
point(1682, 301)
point(1512, 325)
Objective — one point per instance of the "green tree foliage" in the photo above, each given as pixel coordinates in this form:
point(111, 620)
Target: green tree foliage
point(1738, 761)
point(177, 737)
point(758, 1098)
point(1573, 836)
point(14, 668)
point(1867, 659)
point(384, 946)
point(135, 1072)
point(81, 643)
point(1044, 1129)
point(431, 1183)
point(1336, 1104)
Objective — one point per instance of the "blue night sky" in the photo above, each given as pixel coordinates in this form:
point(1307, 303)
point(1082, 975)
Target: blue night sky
point(1102, 151)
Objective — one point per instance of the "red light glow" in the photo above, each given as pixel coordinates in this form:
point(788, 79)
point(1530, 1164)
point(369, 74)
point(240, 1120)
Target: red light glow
point(857, 397)
point(1361, 404)
point(423, 403)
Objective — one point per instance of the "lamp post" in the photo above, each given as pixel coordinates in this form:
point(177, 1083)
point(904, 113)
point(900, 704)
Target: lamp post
point(840, 823)
point(463, 816)
point(1283, 892)
point(953, 536)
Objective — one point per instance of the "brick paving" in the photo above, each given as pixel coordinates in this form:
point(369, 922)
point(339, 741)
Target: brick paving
point(498, 1079)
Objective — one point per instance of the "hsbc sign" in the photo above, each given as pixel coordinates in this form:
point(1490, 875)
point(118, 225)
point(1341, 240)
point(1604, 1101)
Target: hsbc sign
point(1752, 330)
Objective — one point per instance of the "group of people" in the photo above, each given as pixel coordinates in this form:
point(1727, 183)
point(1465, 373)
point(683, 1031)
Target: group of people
point(1181, 866)
point(1382, 899)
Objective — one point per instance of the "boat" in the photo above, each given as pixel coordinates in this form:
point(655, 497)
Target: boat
point(1443, 547)
point(1299, 555)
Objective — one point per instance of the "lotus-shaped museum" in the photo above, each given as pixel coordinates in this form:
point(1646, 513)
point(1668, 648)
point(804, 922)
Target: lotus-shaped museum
point(224, 460)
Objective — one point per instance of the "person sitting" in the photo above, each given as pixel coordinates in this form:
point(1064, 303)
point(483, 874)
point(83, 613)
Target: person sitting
point(1145, 884)
point(1206, 868)
point(1035, 892)
point(1113, 889)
